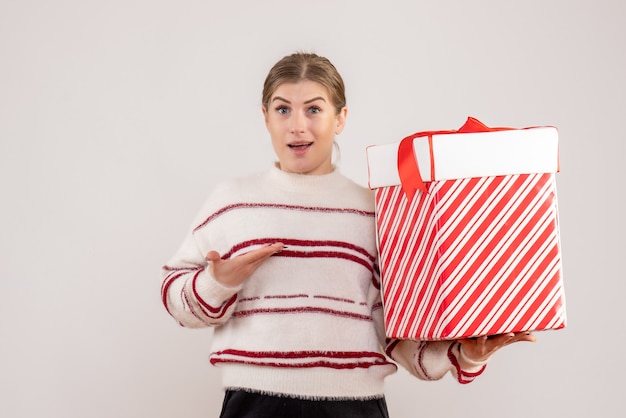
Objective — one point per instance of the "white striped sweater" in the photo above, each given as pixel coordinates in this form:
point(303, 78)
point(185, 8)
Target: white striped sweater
point(308, 323)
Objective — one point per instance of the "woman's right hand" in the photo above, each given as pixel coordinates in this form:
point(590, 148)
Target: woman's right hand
point(233, 272)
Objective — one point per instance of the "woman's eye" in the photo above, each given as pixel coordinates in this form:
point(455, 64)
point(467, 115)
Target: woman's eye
point(282, 110)
point(315, 109)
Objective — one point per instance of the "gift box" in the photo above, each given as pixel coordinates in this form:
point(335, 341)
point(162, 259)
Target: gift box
point(468, 232)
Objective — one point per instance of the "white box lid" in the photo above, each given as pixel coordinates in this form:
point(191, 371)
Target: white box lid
point(473, 154)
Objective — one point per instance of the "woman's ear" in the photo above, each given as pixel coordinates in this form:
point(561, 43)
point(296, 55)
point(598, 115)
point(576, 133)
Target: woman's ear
point(341, 120)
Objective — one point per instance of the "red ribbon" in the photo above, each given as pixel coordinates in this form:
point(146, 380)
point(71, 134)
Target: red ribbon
point(409, 172)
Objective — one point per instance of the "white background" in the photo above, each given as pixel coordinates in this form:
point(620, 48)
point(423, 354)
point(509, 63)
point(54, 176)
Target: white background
point(118, 117)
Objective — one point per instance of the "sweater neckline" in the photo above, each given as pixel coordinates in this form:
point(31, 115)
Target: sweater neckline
point(305, 183)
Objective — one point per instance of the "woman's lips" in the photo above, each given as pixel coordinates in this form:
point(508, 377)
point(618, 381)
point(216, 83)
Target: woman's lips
point(300, 147)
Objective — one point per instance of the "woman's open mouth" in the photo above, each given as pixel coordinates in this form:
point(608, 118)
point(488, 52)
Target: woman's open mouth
point(300, 147)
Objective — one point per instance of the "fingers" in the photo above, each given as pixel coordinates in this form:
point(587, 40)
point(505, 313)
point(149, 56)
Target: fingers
point(524, 336)
point(259, 254)
point(255, 258)
point(502, 340)
point(482, 347)
point(513, 337)
point(212, 256)
point(499, 340)
point(264, 252)
point(495, 342)
point(235, 270)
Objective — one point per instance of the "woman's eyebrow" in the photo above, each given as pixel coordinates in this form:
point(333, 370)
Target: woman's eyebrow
point(306, 102)
point(281, 99)
point(314, 99)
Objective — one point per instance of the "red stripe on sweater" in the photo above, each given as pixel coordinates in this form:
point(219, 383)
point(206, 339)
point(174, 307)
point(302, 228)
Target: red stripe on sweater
point(167, 282)
point(185, 297)
point(333, 298)
point(325, 254)
point(273, 358)
point(283, 207)
point(391, 345)
point(305, 296)
point(250, 299)
point(208, 310)
point(301, 354)
point(213, 312)
point(170, 268)
point(421, 349)
point(172, 276)
point(302, 295)
point(302, 243)
point(462, 376)
point(367, 262)
point(299, 310)
point(327, 364)
point(326, 243)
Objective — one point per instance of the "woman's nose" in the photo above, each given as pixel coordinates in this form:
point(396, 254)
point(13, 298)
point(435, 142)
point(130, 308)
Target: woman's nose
point(297, 123)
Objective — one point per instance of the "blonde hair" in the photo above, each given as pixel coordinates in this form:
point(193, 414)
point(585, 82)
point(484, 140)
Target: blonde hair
point(305, 66)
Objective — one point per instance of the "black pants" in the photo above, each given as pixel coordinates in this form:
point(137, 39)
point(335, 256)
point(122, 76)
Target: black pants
point(241, 404)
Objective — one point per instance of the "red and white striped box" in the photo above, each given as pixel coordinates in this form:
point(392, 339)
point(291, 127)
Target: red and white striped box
point(476, 249)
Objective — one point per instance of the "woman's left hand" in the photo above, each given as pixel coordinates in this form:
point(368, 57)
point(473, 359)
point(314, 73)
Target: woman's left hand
point(481, 348)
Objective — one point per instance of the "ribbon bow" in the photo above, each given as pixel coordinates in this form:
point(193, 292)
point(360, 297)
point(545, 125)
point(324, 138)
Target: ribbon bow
point(409, 172)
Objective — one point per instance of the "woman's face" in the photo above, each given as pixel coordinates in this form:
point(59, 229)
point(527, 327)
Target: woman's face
point(303, 122)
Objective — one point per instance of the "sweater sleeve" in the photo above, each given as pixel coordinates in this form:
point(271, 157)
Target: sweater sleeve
point(190, 293)
point(431, 360)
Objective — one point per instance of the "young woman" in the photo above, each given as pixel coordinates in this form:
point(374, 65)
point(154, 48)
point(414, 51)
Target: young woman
point(283, 265)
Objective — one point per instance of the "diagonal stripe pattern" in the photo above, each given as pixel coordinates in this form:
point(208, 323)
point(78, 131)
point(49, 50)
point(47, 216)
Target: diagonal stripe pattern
point(474, 256)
